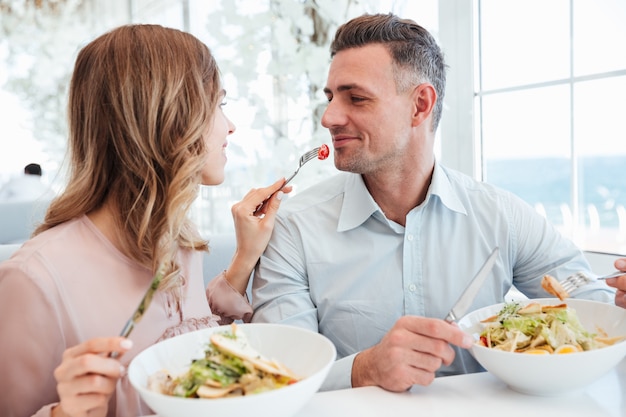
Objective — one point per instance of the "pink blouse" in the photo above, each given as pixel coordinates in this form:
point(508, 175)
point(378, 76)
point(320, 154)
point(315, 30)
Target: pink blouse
point(70, 284)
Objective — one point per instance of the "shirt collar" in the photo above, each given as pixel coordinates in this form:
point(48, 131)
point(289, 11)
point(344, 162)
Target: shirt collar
point(358, 204)
point(442, 188)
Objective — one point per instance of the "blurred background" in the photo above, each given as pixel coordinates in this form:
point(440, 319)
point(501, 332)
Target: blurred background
point(533, 101)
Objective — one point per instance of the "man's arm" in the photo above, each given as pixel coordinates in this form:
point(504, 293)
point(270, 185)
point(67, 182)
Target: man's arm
point(541, 249)
point(280, 287)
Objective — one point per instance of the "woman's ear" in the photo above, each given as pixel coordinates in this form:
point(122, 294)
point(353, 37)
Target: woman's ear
point(424, 99)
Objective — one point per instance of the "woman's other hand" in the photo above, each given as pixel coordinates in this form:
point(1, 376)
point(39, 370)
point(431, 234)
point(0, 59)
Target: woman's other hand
point(254, 218)
point(87, 376)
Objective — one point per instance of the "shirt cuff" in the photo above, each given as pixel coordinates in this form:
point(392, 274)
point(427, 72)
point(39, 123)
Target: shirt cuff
point(340, 375)
point(227, 302)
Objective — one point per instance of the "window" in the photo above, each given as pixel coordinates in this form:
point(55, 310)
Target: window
point(549, 80)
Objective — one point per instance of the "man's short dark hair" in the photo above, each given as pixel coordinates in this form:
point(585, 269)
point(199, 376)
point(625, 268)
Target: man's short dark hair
point(33, 169)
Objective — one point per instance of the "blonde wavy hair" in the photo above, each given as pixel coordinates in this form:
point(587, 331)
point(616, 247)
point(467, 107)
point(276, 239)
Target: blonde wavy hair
point(140, 99)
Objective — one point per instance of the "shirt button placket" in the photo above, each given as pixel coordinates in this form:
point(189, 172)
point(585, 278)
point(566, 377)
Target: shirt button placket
point(411, 297)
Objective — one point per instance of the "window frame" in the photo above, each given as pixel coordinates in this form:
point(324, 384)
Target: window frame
point(461, 127)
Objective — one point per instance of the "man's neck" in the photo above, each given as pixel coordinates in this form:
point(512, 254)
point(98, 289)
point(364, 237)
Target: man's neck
point(399, 191)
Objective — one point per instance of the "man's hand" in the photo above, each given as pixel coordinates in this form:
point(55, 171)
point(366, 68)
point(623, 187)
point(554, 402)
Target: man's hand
point(410, 353)
point(619, 283)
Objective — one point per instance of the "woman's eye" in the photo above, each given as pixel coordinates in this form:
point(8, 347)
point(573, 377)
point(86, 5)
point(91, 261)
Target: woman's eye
point(223, 103)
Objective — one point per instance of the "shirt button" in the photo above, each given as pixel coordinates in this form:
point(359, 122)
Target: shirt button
point(412, 287)
point(409, 237)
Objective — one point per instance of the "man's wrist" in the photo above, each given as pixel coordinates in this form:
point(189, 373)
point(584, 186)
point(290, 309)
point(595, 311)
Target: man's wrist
point(360, 376)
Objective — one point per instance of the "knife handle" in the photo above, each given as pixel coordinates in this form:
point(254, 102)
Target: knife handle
point(450, 318)
point(124, 333)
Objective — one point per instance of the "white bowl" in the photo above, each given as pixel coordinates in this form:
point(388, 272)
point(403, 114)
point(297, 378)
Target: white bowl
point(549, 375)
point(308, 354)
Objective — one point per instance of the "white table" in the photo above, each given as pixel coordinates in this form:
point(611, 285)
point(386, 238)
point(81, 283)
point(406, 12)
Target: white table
point(480, 395)
point(473, 395)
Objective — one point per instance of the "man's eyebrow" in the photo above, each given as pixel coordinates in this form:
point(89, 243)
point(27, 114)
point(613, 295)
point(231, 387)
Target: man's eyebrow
point(345, 87)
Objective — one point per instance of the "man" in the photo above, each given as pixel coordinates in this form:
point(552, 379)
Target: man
point(375, 257)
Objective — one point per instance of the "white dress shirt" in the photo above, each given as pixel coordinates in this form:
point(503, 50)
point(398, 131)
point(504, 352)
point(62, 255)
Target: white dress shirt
point(335, 264)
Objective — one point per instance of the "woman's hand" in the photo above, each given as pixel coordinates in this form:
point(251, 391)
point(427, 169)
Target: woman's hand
point(87, 376)
point(254, 221)
point(619, 283)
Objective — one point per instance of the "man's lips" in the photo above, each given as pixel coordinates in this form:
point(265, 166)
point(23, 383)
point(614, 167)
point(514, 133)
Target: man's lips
point(341, 140)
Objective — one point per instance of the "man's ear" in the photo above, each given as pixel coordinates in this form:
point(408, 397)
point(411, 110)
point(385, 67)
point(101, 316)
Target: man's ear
point(424, 99)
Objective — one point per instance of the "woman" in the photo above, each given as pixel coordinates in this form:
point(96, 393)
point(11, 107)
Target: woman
point(146, 129)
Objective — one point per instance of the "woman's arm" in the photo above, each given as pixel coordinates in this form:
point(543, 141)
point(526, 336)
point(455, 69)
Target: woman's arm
point(253, 230)
point(254, 218)
point(31, 344)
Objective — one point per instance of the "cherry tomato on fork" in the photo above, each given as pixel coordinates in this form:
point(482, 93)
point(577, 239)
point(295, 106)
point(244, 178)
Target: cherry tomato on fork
point(323, 152)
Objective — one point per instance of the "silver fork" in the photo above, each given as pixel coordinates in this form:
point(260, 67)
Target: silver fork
point(573, 282)
point(306, 157)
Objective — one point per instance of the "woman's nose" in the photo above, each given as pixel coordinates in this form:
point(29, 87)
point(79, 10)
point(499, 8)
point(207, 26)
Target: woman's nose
point(231, 127)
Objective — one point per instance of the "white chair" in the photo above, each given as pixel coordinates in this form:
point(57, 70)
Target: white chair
point(222, 248)
point(18, 219)
point(6, 250)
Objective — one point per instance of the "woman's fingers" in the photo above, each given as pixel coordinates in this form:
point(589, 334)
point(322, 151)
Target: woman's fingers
point(86, 393)
point(87, 376)
point(259, 199)
point(99, 345)
point(91, 358)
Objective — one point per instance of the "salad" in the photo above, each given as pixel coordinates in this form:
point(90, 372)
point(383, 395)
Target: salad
point(230, 367)
point(540, 329)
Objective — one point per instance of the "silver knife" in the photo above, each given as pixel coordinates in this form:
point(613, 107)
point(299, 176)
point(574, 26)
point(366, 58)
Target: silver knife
point(465, 300)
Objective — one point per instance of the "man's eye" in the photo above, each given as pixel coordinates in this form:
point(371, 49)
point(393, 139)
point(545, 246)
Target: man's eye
point(356, 99)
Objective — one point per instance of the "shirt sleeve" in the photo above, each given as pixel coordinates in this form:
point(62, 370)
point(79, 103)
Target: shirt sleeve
point(340, 374)
point(31, 346)
point(280, 294)
point(541, 249)
point(280, 288)
point(227, 302)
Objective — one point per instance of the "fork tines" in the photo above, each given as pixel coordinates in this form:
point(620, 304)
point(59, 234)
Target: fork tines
point(309, 155)
point(575, 281)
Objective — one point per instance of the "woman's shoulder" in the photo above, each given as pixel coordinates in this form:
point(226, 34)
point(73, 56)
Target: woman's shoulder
point(52, 250)
point(64, 235)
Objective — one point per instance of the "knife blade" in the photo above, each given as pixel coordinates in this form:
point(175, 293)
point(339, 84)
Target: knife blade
point(143, 306)
point(467, 297)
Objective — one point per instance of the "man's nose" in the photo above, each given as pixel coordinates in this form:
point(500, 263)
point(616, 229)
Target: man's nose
point(334, 115)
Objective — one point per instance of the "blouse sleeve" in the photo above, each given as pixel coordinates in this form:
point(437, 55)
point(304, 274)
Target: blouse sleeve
point(227, 302)
point(31, 345)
